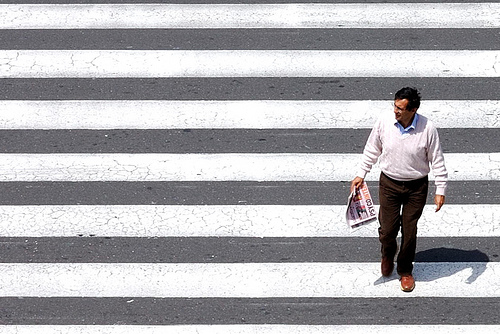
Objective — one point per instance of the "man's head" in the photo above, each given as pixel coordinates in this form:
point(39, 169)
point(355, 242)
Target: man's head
point(410, 94)
point(406, 103)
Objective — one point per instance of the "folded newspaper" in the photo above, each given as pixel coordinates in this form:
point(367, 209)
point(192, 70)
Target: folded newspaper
point(360, 208)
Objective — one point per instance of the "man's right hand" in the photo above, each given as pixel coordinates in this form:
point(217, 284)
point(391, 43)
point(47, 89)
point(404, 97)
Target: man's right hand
point(356, 183)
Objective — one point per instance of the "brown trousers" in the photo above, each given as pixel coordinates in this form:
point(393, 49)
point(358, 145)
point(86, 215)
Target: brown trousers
point(401, 205)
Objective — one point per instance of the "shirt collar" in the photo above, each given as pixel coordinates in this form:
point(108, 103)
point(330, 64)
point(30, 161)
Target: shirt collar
point(412, 126)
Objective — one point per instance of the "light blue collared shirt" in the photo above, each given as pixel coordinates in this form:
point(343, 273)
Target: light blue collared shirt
point(412, 126)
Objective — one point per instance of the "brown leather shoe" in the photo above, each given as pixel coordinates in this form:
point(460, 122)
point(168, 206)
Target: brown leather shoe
point(407, 283)
point(387, 266)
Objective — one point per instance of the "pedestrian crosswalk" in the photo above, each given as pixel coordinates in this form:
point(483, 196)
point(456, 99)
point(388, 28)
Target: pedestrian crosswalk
point(242, 280)
point(184, 167)
point(215, 167)
point(251, 15)
point(218, 114)
point(247, 63)
point(226, 221)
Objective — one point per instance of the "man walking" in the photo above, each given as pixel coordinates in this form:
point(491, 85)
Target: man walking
point(406, 145)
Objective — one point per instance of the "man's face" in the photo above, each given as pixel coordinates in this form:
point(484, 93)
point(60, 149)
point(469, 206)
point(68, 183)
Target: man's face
point(403, 115)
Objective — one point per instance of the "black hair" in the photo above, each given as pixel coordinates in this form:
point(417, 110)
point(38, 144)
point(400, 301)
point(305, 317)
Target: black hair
point(411, 94)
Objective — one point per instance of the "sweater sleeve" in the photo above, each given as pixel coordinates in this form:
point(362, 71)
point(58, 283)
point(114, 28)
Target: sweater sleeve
point(436, 159)
point(372, 151)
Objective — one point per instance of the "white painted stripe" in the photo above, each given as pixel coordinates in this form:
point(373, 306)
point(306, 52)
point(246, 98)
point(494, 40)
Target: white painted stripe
point(229, 221)
point(247, 63)
point(207, 16)
point(218, 167)
point(260, 114)
point(250, 329)
point(243, 280)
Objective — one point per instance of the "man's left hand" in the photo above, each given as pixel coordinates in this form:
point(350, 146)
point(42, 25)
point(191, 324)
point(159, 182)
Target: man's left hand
point(439, 201)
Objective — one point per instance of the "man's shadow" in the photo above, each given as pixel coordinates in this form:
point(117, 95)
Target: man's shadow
point(456, 259)
point(460, 260)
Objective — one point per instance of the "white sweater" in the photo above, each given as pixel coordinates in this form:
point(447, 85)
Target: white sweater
point(405, 157)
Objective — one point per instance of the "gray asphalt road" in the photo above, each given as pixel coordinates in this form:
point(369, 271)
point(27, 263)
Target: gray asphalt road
point(85, 249)
point(250, 39)
point(221, 311)
point(217, 193)
point(245, 88)
point(224, 141)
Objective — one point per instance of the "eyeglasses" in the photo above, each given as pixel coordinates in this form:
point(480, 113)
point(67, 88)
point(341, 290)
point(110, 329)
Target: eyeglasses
point(398, 108)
